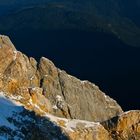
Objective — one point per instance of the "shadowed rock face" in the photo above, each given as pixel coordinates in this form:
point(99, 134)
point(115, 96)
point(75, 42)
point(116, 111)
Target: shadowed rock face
point(50, 94)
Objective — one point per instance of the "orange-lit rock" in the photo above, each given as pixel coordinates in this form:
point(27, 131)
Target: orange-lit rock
point(125, 126)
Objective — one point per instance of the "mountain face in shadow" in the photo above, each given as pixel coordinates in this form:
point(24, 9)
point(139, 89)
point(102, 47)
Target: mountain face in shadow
point(108, 16)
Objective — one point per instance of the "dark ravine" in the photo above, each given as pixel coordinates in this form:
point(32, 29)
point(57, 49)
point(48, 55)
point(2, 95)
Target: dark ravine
point(57, 105)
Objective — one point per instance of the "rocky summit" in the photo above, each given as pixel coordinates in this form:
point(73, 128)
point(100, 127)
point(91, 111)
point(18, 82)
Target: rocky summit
point(38, 101)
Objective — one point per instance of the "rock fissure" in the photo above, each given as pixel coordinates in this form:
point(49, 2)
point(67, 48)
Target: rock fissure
point(61, 85)
point(8, 67)
point(68, 113)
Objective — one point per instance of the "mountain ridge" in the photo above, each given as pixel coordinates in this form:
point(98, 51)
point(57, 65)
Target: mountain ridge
point(21, 73)
point(56, 105)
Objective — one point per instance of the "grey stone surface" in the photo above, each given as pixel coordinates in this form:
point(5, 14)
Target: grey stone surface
point(69, 96)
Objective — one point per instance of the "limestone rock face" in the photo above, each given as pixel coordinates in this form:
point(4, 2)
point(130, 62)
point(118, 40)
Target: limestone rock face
point(69, 97)
point(72, 98)
point(49, 80)
point(18, 74)
point(84, 99)
point(57, 105)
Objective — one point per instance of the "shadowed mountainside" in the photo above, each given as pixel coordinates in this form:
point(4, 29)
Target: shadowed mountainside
point(106, 16)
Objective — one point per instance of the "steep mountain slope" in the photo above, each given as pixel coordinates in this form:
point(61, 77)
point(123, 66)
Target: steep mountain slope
point(20, 74)
point(33, 95)
point(17, 123)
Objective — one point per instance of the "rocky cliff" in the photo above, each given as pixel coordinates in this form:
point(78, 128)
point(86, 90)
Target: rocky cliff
point(56, 105)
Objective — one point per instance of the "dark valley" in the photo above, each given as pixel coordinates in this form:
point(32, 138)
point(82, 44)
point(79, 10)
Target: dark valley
point(101, 39)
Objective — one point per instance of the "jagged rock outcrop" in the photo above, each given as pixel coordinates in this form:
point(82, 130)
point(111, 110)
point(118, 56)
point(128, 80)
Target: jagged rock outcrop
point(16, 122)
point(125, 126)
point(55, 105)
point(69, 97)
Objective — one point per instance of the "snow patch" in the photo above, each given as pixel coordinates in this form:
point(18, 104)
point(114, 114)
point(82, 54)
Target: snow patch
point(70, 76)
point(7, 109)
point(32, 77)
point(55, 107)
point(15, 55)
point(70, 125)
point(59, 98)
point(45, 75)
point(73, 124)
point(3, 138)
point(17, 98)
point(83, 82)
